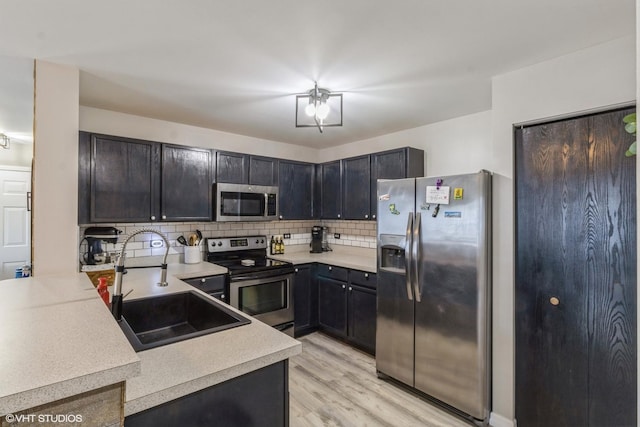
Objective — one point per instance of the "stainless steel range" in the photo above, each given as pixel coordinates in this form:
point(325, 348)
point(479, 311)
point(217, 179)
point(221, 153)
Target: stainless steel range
point(259, 286)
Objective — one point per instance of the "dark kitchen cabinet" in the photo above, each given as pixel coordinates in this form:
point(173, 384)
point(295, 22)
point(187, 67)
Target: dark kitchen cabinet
point(305, 293)
point(405, 162)
point(356, 188)
point(123, 180)
point(130, 180)
point(186, 184)
point(238, 168)
point(347, 305)
point(232, 168)
point(332, 306)
point(361, 312)
point(263, 171)
point(296, 189)
point(257, 398)
point(330, 190)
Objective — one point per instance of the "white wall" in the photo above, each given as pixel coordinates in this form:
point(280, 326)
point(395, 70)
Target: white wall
point(55, 171)
point(592, 78)
point(17, 155)
point(120, 124)
point(460, 145)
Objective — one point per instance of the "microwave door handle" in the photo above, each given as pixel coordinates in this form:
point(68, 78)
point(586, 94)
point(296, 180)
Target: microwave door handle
point(407, 256)
point(266, 205)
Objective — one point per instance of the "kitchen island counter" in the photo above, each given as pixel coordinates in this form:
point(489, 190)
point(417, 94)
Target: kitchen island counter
point(60, 340)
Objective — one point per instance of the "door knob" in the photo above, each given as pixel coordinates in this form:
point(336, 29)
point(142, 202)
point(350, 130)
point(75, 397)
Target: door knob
point(554, 301)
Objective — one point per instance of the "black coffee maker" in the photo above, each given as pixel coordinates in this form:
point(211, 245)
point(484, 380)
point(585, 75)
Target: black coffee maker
point(316, 239)
point(94, 237)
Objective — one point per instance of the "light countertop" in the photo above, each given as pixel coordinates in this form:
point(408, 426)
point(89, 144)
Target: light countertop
point(59, 339)
point(357, 258)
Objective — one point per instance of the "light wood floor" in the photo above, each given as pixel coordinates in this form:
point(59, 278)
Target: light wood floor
point(332, 384)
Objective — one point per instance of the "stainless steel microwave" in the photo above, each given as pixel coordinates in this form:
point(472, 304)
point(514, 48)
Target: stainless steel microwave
point(240, 202)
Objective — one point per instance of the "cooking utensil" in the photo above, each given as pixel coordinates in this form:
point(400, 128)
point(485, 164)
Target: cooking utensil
point(192, 239)
point(199, 237)
point(182, 241)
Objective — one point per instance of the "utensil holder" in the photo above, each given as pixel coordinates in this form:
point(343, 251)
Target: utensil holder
point(192, 254)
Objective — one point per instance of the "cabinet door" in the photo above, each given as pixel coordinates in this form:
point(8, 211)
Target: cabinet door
point(362, 317)
point(305, 307)
point(232, 167)
point(331, 193)
point(296, 189)
point(356, 188)
point(263, 171)
point(186, 184)
point(332, 305)
point(124, 180)
point(386, 165)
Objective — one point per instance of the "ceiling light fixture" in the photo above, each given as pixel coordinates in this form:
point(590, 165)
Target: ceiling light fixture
point(4, 141)
point(318, 108)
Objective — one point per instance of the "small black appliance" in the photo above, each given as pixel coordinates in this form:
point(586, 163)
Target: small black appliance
point(316, 239)
point(94, 237)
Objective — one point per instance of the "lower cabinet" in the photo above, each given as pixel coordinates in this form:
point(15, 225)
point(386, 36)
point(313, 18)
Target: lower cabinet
point(258, 398)
point(347, 308)
point(305, 300)
point(361, 309)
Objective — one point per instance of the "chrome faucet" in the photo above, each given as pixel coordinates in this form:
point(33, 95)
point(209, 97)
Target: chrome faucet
point(116, 298)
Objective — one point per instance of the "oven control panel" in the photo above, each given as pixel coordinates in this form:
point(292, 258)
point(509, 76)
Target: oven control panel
point(226, 244)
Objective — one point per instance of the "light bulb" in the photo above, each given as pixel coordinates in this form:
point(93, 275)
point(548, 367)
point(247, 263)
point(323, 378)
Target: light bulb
point(310, 110)
point(323, 111)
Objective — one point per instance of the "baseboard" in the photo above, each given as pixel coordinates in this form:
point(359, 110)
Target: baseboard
point(496, 420)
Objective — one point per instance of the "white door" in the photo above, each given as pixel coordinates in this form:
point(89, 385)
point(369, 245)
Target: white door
point(15, 220)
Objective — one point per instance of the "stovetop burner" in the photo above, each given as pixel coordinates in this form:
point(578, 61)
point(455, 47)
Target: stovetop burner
point(238, 253)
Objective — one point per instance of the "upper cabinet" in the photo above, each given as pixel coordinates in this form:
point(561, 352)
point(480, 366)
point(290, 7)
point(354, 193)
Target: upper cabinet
point(238, 168)
point(356, 187)
point(330, 190)
point(185, 184)
point(296, 189)
point(232, 167)
point(405, 162)
point(263, 170)
point(132, 180)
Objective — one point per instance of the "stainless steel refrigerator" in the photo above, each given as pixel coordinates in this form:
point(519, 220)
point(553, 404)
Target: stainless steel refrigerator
point(434, 288)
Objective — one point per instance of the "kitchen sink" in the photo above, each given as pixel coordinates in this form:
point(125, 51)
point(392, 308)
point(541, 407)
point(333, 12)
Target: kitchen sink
point(166, 319)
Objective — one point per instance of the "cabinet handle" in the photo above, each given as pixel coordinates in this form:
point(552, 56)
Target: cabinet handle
point(338, 215)
point(203, 280)
point(330, 268)
point(164, 217)
point(366, 275)
point(350, 288)
point(280, 217)
point(366, 216)
point(554, 301)
point(153, 217)
point(344, 286)
point(296, 270)
point(373, 216)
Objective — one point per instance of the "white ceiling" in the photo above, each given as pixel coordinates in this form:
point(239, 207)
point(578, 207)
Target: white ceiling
point(236, 65)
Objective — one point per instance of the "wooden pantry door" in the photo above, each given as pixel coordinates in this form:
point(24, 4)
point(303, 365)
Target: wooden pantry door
point(575, 296)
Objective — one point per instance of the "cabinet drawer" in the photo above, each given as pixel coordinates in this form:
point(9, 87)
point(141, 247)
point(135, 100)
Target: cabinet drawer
point(337, 273)
point(363, 278)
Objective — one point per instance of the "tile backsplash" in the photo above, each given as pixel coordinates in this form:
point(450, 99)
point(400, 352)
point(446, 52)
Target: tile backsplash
point(352, 233)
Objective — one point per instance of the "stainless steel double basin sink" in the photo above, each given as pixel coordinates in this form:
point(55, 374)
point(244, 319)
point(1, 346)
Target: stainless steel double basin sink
point(166, 319)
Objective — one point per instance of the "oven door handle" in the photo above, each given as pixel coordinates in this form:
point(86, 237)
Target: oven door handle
point(261, 278)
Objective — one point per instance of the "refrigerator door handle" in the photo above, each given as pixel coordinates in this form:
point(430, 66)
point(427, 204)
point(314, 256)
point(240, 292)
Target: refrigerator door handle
point(415, 255)
point(407, 256)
